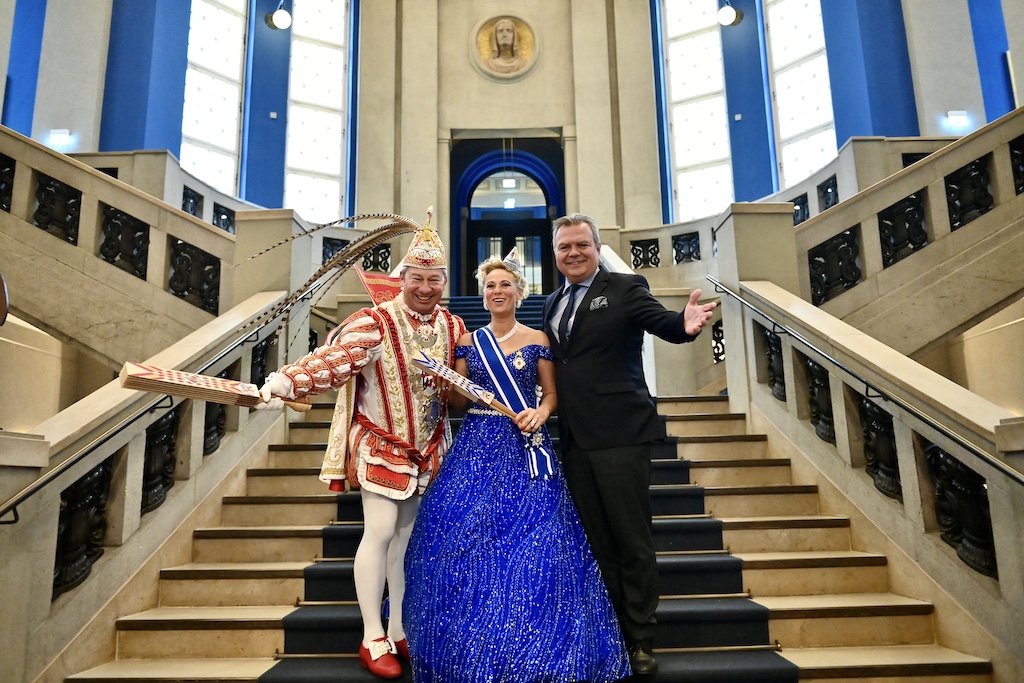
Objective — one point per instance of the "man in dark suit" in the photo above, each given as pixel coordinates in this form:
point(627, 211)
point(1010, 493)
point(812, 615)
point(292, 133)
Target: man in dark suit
point(607, 418)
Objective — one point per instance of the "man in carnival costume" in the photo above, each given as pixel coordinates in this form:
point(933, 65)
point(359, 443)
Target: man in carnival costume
point(390, 428)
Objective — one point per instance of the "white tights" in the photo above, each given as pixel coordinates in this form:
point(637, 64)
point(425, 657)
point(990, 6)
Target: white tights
point(387, 525)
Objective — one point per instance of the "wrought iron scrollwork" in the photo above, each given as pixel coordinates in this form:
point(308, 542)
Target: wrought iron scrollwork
point(7, 166)
point(686, 247)
point(901, 229)
point(820, 395)
point(717, 342)
point(191, 202)
point(961, 506)
point(828, 193)
point(125, 242)
point(258, 366)
point(645, 253)
point(1017, 163)
point(224, 218)
point(880, 458)
point(968, 194)
point(776, 367)
point(161, 461)
point(195, 276)
point(801, 209)
point(81, 526)
point(58, 208)
point(378, 258)
point(332, 245)
point(834, 266)
point(215, 426)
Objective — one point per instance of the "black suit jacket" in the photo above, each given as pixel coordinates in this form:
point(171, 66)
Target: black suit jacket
point(603, 399)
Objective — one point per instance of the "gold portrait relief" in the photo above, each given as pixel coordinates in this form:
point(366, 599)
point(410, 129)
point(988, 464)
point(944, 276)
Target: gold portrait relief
point(505, 48)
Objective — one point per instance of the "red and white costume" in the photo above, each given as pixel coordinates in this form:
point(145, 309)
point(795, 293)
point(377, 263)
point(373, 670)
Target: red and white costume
point(389, 431)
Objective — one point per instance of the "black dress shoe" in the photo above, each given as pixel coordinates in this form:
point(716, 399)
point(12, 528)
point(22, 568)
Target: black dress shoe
point(641, 660)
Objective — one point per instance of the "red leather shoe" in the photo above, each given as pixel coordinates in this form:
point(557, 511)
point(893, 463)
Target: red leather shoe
point(378, 660)
point(400, 648)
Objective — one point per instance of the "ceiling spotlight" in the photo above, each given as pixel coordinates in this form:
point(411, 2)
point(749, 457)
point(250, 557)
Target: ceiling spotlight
point(279, 18)
point(729, 15)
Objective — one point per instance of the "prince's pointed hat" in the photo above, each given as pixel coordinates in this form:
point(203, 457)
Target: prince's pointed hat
point(426, 250)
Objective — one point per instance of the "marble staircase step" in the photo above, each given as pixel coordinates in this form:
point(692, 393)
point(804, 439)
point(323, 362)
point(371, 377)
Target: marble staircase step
point(296, 455)
point(257, 543)
point(215, 631)
point(740, 472)
point(273, 510)
point(786, 533)
point(676, 405)
point(232, 583)
point(848, 620)
point(813, 573)
point(753, 501)
point(308, 431)
point(284, 481)
point(221, 670)
point(903, 663)
point(725, 447)
point(706, 424)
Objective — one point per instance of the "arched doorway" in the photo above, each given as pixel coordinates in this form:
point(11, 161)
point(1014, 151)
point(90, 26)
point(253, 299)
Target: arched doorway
point(486, 175)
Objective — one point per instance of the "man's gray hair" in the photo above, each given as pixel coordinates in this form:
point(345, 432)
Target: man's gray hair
point(573, 219)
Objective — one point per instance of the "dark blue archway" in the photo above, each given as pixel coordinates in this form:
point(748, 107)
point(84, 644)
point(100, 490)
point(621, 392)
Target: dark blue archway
point(475, 160)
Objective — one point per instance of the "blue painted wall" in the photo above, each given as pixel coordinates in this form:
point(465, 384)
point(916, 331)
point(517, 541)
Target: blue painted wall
point(261, 180)
point(144, 90)
point(869, 69)
point(990, 46)
point(23, 67)
point(752, 139)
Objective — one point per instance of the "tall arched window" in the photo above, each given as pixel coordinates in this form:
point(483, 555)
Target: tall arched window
point(804, 126)
point(314, 173)
point(211, 121)
point(697, 113)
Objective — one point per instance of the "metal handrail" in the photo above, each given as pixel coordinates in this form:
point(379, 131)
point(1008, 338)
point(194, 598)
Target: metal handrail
point(966, 443)
point(11, 506)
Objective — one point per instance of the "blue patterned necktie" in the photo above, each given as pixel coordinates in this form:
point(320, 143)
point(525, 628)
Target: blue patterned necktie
point(563, 322)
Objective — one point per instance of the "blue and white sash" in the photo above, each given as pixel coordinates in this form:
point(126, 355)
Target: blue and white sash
point(539, 459)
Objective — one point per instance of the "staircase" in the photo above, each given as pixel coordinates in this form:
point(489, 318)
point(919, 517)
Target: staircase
point(756, 584)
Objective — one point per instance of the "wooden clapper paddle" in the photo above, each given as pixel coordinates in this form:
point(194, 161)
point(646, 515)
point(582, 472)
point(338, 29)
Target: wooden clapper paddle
point(460, 383)
point(201, 387)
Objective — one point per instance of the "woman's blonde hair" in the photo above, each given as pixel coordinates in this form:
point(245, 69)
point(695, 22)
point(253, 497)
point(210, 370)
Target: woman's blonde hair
point(494, 263)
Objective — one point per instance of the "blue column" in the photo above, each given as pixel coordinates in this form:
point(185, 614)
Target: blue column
point(990, 46)
point(752, 137)
point(869, 69)
point(144, 91)
point(23, 66)
point(266, 108)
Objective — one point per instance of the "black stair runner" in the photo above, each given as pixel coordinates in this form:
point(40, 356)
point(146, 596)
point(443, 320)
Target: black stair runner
point(708, 631)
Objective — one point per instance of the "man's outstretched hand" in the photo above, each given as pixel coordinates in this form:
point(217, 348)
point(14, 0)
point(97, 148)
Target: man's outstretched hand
point(696, 315)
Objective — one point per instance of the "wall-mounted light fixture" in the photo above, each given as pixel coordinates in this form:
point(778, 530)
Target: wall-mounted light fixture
point(59, 138)
point(729, 15)
point(957, 119)
point(279, 18)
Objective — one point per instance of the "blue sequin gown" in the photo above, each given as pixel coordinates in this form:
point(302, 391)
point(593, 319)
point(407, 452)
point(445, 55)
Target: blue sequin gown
point(500, 582)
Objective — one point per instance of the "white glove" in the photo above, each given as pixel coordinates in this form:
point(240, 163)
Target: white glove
point(277, 385)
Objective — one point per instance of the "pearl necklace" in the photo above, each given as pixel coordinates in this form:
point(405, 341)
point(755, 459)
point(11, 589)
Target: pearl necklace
point(506, 337)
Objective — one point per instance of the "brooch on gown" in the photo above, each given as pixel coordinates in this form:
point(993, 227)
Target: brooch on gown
point(518, 362)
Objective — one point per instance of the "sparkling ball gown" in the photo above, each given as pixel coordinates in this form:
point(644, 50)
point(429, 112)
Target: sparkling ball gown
point(500, 582)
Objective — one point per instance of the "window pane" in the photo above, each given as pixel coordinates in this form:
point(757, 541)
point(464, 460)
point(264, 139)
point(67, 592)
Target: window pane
point(319, 198)
point(796, 30)
point(687, 16)
point(317, 75)
point(210, 166)
point(322, 20)
point(215, 39)
point(695, 66)
point(703, 192)
point(210, 112)
point(804, 97)
point(804, 156)
point(314, 140)
point(700, 133)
